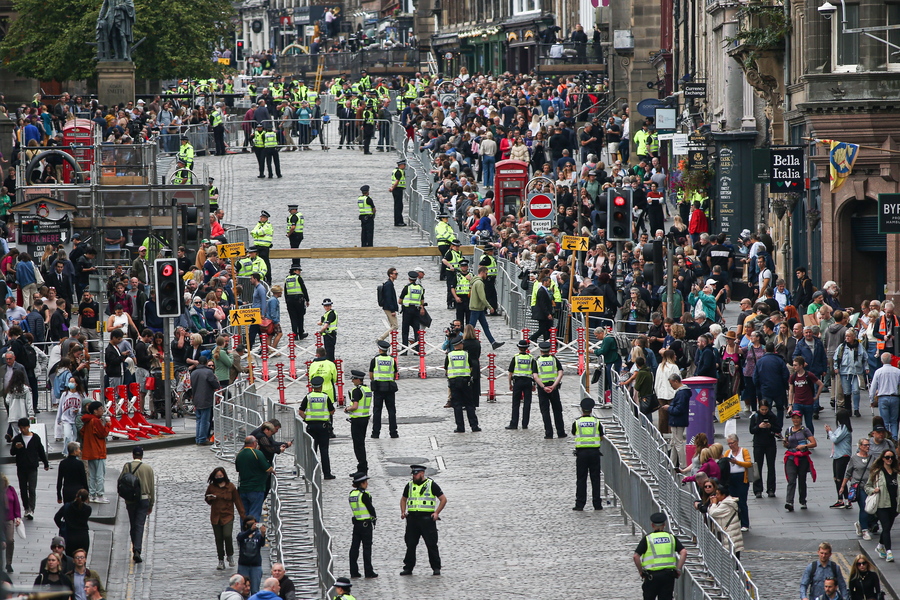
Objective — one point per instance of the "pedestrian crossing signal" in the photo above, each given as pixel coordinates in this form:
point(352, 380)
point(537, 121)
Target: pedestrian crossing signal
point(618, 215)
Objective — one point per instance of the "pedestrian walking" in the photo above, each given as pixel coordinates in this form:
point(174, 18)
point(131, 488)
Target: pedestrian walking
point(398, 188)
point(382, 378)
point(798, 441)
point(250, 544)
point(12, 513)
point(71, 474)
point(883, 481)
point(137, 487)
point(547, 372)
point(863, 582)
point(364, 518)
point(52, 578)
point(841, 446)
point(739, 479)
point(28, 450)
point(883, 392)
point(659, 558)
point(588, 434)
point(854, 484)
point(366, 207)
point(296, 299)
point(81, 574)
point(812, 582)
point(316, 410)
point(72, 519)
point(359, 410)
point(521, 385)
point(421, 505)
point(478, 306)
point(253, 470)
point(328, 327)
point(223, 499)
point(765, 432)
point(204, 384)
point(387, 300)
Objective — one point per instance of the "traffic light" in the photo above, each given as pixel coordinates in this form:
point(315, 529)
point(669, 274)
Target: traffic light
point(618, 214)
point(168, 290)
point(189, 223)
point(239, 50)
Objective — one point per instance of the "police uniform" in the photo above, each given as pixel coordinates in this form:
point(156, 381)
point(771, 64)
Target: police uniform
point(461, 289)
point(521, 385)
point(382, 375)
point(412, 301)
point(181, 176)
point(458, 365)
point(368, 119)
point(364, 518)
point(343, 584)
point(262, 234)
point(588, 434)
point(217, 120)
point(398, 187)
point(443, 234)
point(320, 366)
point(366, 217)
point(295, 223)
point(213, 196)
point(658, 552)
point(251, 264)
point(296, 298)
point(421, 501)
point(451, 260)
point(490, 282)
point(270, 139)
point(316, 409)
point(544, 369)
point(186, 153)
point(259, 149)
point(329, 321)
point(359, 410)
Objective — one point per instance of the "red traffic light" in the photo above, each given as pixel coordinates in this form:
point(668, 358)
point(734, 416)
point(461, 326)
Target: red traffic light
point(167, 270)
point(619, 201)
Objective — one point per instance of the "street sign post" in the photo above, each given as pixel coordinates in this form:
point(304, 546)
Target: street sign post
point(540, 206)
point(245, 316)
point(576, 242)
point(236, 250)
point(541, 225)
point(587, 304)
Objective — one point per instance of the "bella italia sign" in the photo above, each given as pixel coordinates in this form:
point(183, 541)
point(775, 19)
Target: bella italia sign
point(786, 173)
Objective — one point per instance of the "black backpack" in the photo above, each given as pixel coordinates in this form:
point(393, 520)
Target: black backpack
point(129, 486)
point(380, 295)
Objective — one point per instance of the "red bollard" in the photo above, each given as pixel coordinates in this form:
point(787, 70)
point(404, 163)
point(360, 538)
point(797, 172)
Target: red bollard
point(581, 345)
point(340, 381)
point(235, 340)
point(525, 333)
point(319, 343)
point(264, 355)
point(308, 385)
point(280, 376)
point(292, 354)
point(553, 340)
point(492, 377)
point(423, 372)
point(393, 353)
point(478, 334)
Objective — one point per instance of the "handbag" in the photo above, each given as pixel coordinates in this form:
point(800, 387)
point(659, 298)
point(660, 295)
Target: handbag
point(20, 529)
point(753, 473)
point(649, 404)
point(267, 326)
point(872, 503)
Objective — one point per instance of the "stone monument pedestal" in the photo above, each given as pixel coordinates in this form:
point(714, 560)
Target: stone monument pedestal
point(115, 82)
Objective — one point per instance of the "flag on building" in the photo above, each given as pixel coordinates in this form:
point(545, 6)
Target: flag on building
point(840, 161)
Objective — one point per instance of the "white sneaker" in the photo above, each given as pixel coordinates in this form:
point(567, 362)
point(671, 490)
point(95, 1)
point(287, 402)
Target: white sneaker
point(92, 499)
point(890, 556)
point(881, 551)
point(866, 535)
point(859, 531)
point(101, 500)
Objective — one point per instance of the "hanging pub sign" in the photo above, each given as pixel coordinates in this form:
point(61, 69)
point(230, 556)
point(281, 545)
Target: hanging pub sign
point(36, 229)
point(786, 173)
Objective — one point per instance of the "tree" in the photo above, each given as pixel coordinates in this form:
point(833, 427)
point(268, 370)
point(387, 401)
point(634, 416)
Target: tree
point(51, 40)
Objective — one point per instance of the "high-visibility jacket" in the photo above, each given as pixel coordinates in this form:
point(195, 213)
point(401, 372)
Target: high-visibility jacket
point(642, 141)
point(368, 117)
point(554, 289)
point(411, 93)
point(270, 139)
point(296, 220)
point(443, 233)
point(463, 283)
point(364, 207)
point(522, 366)
point(186, 154)
point(654, 142)
point(317, 406)
point(259, 139)
point(248, 266)
point(455, 258)
point(216, 118)
point(383, 91)
point(292, 286)
point(364, 405)
point(458, 364)
point(546, 369)
point(885, 329)
point(262, 234)
point(421, 498)
point(491, 263)
point(398, 179)
point(385, 368)
point(332, 327)
point(587, 432)
point(327, 370)
point(660, 552)
point(365, 82)
point(414, 295)
point(360, 511)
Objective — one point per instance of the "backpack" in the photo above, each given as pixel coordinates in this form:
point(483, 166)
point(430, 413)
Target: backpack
point(129, 486)
point(30, 363)
point(379, 290)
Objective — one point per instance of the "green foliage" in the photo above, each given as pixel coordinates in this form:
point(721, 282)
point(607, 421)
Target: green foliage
point(50, 40)
point(762, 27)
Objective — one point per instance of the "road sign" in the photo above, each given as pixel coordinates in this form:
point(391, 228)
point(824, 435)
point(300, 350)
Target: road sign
point(888, 213)
point(245, 316)
point(541, 225)
point(587, 304)
point(575, 242)
point(236, 250)
point(729, 408)
point(540, 206)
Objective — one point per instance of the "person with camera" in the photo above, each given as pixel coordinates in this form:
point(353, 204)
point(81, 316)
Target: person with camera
point(250, 544)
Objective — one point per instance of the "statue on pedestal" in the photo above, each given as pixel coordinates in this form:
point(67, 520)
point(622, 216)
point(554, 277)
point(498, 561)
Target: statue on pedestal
point(115, 30)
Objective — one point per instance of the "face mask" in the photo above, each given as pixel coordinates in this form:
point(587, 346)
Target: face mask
point(71, 385)
point(218, 479)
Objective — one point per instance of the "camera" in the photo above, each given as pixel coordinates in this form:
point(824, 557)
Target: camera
point(451, 331)
point(827, 9)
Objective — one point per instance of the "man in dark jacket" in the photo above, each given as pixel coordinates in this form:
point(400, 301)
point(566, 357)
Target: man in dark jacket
point(29, 451)
point(678, 418)
point(764, 426)
point(771, 380)
point(542, 311)
point(204, 385)
point(705, 358)
point(804, 290)
point(71, 475)
point(388, 302)
point(114, 358)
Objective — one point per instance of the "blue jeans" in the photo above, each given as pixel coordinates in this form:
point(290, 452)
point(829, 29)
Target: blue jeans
point(889, 409)
point(739, 489)
point(807, 410)
point(865, 519)
point(487, 170)
point(203, 418)
point(480, 316)
point(253, 574)
point(850, 384)
point(874, 361)
point(253, 503)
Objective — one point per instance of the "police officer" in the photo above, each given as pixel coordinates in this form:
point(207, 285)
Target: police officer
point(461, 291)
point(296, 297)
point(252, 263)
point(443, 233)
point(271, 149)
point(451, 261)
point(659, 558)
point(182, 175)
point(422, 503)
point(186, 153)
point(547, 372)
point(359, 410)
point(459, 367)
point(382, 376)
point(328, 326)
point(217, 120)
point(364, 518)
point(365, 82)
point(588, 434)
point(342, 586)
point(316, 409)
point(213, 196)
point(398, 187)
point(366, 217)
point(521, 385)
point(368, 120)
point(412, 301)
point(490, 282)
point(259, 149)
point(322, 367)
point(294, 226)
point(262, 234)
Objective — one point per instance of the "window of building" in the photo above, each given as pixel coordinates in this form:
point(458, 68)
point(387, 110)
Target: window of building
point(893, 36)
point(526, 6)
point(847, 44)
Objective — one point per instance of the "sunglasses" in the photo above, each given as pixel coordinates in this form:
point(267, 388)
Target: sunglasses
point(862, 563)
point(888, 457)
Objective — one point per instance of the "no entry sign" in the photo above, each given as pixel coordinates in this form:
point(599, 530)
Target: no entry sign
point(540, 206)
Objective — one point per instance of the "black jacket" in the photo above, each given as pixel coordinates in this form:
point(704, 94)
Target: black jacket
point(114, 360)
point(389, 297)
point(764, 437)
point(29, 457)
point(543, 305)
point(70, 478)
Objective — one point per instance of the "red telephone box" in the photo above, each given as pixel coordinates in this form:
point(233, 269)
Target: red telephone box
point(510, 179)
point(79, 133)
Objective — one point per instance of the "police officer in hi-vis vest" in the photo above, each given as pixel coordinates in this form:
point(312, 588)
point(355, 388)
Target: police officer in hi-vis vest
point(262, 234)
point(443, 234)
point(422, 503)
point(382, 375)
point(359, 410)
point(521, 385)
point(547, 372)
point(490, 282)
point(316, 409)
point(461, 291)
point(398, 187)
point(296, 298)
point(259, 149)
point(659, 559)
point(459, 367)
point(412, 301)
point(294, 226)
point(328, 325)
point(366, 217)
point(451, 261)
point(364, 518)
point(588, 434)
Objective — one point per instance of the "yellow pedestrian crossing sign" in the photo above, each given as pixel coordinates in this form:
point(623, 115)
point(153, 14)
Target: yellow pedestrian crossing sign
point(587, 304)
point(575, 242)
point(245, 316)
point(232, 250)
